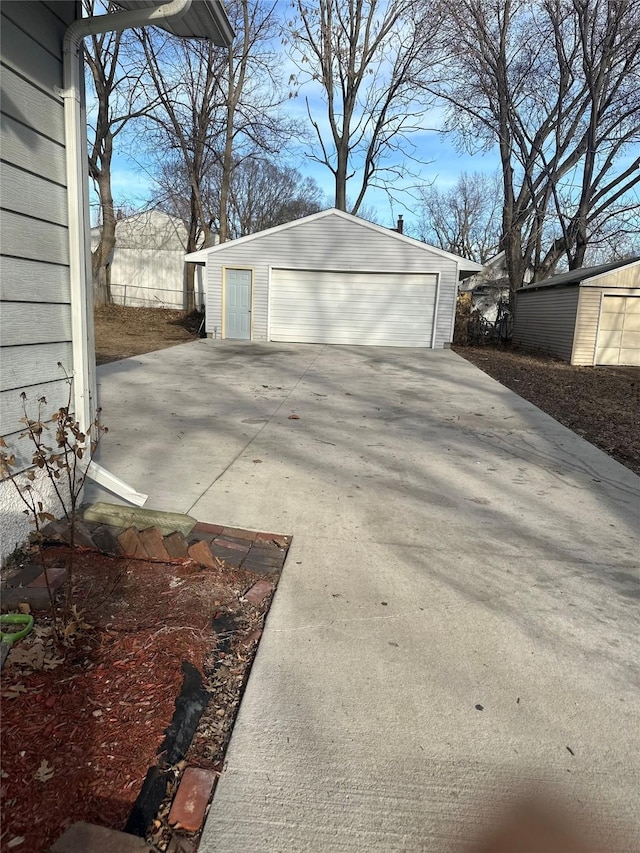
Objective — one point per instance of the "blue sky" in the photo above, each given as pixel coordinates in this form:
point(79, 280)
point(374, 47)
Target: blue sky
point(132, 181)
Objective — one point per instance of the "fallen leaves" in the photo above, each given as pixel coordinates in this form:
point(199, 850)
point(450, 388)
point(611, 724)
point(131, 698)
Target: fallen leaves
point(44, 772)
point(37, 655)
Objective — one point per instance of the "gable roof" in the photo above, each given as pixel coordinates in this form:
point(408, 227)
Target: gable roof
point(200, 257)
point(580, 275)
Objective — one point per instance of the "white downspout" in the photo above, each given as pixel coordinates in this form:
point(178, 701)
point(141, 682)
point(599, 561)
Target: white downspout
point(84, 390)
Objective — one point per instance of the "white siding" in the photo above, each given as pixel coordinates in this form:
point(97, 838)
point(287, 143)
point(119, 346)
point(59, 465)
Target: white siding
point(545, 319)
point(148, 278)
point(329, 243)
point(35, 317)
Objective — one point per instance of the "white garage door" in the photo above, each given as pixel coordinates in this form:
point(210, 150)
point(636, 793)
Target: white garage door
point(619, 331)
point(315, 306)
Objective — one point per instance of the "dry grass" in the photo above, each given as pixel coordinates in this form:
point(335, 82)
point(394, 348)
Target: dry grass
point(124, 332)
point(602, 404)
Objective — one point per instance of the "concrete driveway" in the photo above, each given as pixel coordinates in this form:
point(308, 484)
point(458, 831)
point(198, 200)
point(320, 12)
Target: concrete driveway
point(458, 616)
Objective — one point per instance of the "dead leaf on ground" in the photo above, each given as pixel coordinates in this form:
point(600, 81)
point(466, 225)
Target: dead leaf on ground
point(44, 772)
point(31, 657)
point(294, 417)
point(14, 691)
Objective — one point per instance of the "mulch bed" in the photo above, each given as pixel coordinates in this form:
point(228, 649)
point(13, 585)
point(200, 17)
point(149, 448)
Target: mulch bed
point(602, 404)
point(83, 722)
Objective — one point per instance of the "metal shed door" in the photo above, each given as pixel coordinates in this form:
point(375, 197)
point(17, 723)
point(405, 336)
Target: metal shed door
point(619, 331)
point(384, 309)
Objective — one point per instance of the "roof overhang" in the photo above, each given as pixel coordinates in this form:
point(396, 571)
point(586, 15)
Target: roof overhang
point(582, 276)
point(201, 19)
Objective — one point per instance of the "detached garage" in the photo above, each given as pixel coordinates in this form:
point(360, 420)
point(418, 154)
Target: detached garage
point(332, 278)
point(588, 316)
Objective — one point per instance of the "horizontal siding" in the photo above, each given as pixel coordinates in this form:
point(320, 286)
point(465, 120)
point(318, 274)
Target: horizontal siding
point(21, 363)
point(32, 152)
point(37, 111)
point(213, 304)
point(330, 243)
point(56, 394)
point(46, 28)
point(23, 280)
point(545, 320)
point(35, 323)
point(34, 239)
point(35, 317)
point(584, 344)
point(45, 68)
point(29, 194)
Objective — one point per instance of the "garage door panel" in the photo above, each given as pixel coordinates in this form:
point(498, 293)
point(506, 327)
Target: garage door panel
point(630, 357)
point(352, 308)
point(619, 331)
point(611, 320)
point(630, 340)
point(610, 338)
point(632, 321)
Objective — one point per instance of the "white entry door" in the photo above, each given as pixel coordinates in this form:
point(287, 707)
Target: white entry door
point(237, 308)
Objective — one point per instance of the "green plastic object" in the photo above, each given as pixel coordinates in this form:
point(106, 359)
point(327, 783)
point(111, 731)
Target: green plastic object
point(8, 639)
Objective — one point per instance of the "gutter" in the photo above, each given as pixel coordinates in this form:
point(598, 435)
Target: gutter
point(84, 383)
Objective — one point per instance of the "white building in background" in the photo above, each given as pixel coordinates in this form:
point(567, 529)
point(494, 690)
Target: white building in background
point(147, 267)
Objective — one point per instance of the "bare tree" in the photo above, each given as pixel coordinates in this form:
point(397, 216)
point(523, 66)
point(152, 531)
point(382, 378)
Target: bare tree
point(554, 84)
point(263, 194)
point(366, 56)
point(464, 219)
point(115, 95)
point(216, 106)
point(253, 96)
point(185, 78)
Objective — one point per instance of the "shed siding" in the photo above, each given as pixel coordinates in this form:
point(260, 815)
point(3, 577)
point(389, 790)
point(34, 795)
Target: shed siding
point(584, 342)
point(35, 320)
point(331, 244)
point(625, 277)
point(546, 319)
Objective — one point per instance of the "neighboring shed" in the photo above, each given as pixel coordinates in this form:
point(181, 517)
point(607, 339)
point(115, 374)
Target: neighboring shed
point(586, 316)
point(332, 278)
point(147, 265)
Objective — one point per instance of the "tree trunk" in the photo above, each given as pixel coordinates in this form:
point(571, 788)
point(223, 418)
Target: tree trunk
point(104, 250)
point(341, 179)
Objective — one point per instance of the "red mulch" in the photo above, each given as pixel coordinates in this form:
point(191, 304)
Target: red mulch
point(98, 718)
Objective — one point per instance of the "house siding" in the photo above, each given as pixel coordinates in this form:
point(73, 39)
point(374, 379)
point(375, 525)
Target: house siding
point(35, 318)
point(546, 319)
point(33, 215)
point(333, 244)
